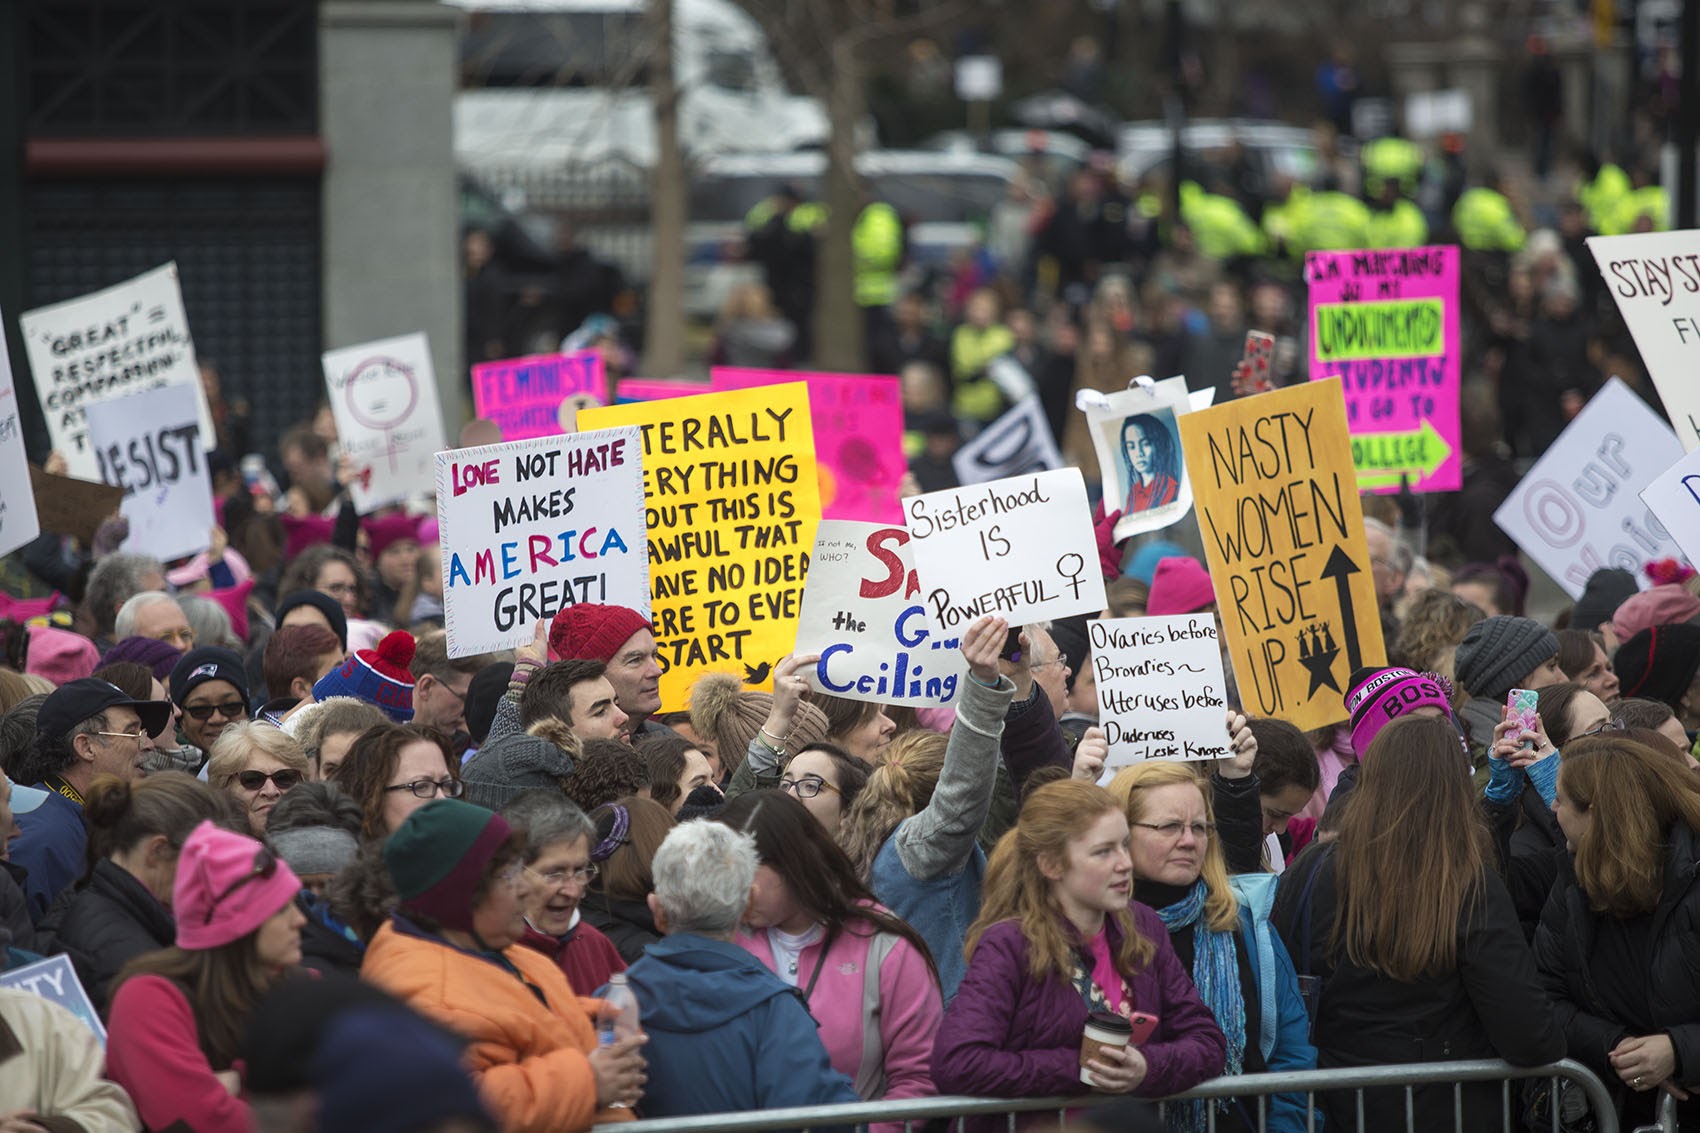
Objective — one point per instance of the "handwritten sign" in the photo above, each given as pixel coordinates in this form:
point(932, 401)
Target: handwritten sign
point(858, 422)
point(1136, 438)
point(19, 523)
point(1016, 444)
point(732, 506)
point(1021, 548)
point(1674, 499)
point(1385, 322)
point(1161, 690)
point(55, 980)
point(130, 337)
point(1579, 508)
point(68, 506)
point(1273, 480)
point(538, 396)
point(1655, 278)
point(384, 399)
point(149, 445)
point(630, 390)
point(862, 612)
point(531, 527)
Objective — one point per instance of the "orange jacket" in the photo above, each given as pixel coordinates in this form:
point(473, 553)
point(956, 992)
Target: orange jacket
point(530, 1061)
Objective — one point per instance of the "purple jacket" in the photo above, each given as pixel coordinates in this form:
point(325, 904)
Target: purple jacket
point(1005, 1035)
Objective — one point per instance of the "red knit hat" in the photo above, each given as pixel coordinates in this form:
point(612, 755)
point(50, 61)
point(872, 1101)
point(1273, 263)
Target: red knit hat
point(593, 633)
point(1180, 586)
point(378, 676)
point(385, 531)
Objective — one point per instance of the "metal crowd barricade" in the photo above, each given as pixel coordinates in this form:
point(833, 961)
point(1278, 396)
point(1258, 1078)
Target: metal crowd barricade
point(1253, 1090)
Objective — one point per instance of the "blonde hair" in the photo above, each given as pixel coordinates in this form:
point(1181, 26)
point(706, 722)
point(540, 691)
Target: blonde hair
point(229, 755)
point(1016, 889)
point(1132, 787)
point(900, 787)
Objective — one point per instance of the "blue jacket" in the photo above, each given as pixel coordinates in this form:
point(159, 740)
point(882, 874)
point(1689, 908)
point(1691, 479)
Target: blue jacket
point(726, 1034)
point(52, 847)
point(1284, 1023)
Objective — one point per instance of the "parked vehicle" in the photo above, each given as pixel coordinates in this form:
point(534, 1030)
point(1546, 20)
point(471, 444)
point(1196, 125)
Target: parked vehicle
point(1282, 151)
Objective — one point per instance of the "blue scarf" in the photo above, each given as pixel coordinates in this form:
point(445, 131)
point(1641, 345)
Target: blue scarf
point(1216, 973)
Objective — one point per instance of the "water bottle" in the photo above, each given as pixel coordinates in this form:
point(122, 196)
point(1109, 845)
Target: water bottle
point(618, 1017)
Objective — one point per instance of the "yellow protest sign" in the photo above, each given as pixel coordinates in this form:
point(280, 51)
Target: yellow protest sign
point(731, 501)
point(1277, 500)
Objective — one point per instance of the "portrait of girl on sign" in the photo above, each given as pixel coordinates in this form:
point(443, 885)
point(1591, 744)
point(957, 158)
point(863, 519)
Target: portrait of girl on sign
point(1151, 463)
point(1136, 436)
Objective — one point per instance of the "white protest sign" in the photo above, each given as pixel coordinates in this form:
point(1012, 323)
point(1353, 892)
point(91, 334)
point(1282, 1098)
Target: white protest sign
point(1021, 548)
point(1655, 278)
point(1137, 440)
point(1015, 444)
point(18, 520)
point(530, 527)
point(1579, 508)
point(1674, 499)
point(384, 398)
point(55, 980)
point(149, 444)
point(132, 336)
point(1160, 688)
point(862, 613)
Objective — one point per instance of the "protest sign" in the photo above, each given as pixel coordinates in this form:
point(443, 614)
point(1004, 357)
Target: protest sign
point(1655, 278)
point(384, 399)
point(1277, 500)
point(1018, 443)
point(629, 390)
point(538, 396)
point(132, 336)
point(732, 506)
point(55, 980)
point(1022, 548)
point(1138, 444)
point(858, 423)
point(1385, 322)
point(18, 520)
point(1579, 508)
point(1161, 689)
point(149, 445)
point(863, 614)
point(530, 527)
point(68, 506)
point(1674, 499)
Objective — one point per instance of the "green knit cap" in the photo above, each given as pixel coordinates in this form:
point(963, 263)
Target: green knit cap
point(438, 856)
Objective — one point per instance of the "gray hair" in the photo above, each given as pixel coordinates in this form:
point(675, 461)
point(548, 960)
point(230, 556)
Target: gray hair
point(547, 818)
point(113, 579)
point(124, 624)
point(210, 621)
point(1402, 558)
point(703, 874)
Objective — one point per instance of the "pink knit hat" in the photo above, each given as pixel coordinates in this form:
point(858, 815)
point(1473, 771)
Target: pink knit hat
point(1670, 604)
point(227, 886)
point(1180, 586)
point(60, 655)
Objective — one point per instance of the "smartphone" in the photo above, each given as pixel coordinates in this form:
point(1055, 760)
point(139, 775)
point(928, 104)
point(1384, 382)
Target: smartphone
point(1259, 359)
point(1143, 1026)
point(1012, 644)
point(1520, 707)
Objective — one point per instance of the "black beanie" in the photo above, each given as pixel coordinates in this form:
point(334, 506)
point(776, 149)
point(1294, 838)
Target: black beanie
point(1659, 663)
point(1607, 589)
point(1501, 651)
point(325, 604)
point(484, 696)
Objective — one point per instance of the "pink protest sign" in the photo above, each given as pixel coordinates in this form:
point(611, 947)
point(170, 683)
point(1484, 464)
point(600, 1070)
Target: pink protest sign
point(629, 390)
point(1385, 322)
point(537, 396)
point(858, 438)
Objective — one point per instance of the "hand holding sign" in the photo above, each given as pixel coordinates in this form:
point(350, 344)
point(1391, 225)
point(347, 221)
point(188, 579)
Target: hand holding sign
point(789, 688)
point(1243, 743)
point(1090, 754)
point(981, 646)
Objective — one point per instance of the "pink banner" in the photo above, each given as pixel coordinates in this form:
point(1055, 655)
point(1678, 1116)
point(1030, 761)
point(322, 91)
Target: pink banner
point(1385, 322)
point(628, 390)
point(858, 421)
point(525, 396)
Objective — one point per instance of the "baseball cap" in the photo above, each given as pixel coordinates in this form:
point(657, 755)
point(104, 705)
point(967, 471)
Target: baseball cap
point(75, 701)
point(24, 799)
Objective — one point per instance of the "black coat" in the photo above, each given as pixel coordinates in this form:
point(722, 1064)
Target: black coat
point(1490, 1005)
point(15, 909)
point(628, 924)
point(103, 924)
point(1536, 847)
point(1573, 953)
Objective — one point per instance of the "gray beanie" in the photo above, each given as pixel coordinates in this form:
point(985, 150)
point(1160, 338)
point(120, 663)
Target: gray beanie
point(315, 849)
point(511, 766)
point(1499, 652)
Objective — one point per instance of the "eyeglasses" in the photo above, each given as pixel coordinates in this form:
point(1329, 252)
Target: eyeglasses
point(265, 865)
point(555, 878)
point(426, 788)
point(283, 778)
point(1173, 830)
point(1035, 665)
point(511, 874)
point(1616, 724)
point(137, 736)
point(808, 786)
point(230, 710)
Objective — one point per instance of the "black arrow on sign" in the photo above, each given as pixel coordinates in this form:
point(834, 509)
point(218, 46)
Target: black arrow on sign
point(1341, 568)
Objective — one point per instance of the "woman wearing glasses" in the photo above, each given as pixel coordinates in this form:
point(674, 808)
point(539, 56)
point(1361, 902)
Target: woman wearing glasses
point(1413, 936)
point(393, 770)
point(827, 780)
point(1221, 934)
point(865, 975)
point(558, 838)
point(255, 763)
point(210, 688)
point(178, 1014)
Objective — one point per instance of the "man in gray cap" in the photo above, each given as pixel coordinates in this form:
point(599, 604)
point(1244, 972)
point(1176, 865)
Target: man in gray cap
point(1496, 656)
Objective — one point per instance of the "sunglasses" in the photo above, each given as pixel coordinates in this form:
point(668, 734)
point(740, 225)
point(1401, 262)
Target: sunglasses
point(283, 778)
point(230, 710)
point(265, 866)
